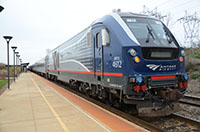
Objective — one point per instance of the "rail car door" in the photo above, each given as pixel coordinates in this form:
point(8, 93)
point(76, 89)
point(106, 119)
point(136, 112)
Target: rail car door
point(98, 61)
point(46, 64)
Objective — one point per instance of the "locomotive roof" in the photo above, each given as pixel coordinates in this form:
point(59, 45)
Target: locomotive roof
point(130, 14)
point(121, 14)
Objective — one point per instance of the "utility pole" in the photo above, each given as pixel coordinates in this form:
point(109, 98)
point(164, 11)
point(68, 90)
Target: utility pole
point(155, 13)
point(191, 29)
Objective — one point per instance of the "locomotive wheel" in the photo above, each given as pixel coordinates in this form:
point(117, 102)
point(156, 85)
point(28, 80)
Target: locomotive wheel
point(94, 91)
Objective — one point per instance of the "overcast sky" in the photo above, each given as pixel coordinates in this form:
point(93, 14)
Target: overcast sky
point(38, 25)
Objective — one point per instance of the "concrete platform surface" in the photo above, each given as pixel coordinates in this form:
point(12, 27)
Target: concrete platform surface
point(36, 105)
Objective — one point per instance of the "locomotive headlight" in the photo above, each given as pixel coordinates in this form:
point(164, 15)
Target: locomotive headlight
point(132, 52)
point(182, 52)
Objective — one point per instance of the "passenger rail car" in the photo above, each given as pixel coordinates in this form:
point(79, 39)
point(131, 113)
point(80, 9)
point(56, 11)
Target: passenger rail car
point(122, 58)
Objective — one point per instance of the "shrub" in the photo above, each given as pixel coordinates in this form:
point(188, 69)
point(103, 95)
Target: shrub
point(196, 55)
point(2, 66)
point(195, 76)
point(191, 64)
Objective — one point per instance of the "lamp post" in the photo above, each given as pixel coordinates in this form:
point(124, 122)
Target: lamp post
point(1, 8)
point(14, 48)
point(16, 53)
point(8, 38)
point(18, 60)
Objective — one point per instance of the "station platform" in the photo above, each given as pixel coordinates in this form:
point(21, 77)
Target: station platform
point(35, 104)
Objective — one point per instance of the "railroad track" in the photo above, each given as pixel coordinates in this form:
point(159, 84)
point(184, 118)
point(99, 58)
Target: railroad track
point(147, 124)
point(186, 120)
point(190, 100)
point(175, 123)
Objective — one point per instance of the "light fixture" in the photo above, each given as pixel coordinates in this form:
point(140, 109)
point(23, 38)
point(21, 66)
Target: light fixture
point(14, 48)
point(1, 8)
point(132, 52)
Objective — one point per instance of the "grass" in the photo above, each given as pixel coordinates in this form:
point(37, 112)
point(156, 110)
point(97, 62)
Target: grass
point(3, 83)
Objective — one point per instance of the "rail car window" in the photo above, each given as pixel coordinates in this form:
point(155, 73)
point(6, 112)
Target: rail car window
point(150, 32)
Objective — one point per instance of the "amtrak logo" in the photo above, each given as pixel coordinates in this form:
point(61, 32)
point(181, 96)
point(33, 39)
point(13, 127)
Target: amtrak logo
point(153, 67)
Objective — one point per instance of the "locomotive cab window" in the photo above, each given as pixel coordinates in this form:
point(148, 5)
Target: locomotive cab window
point(157, 42)
point(150, 32)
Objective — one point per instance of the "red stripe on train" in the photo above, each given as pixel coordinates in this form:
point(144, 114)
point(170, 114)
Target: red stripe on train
point(163, 77)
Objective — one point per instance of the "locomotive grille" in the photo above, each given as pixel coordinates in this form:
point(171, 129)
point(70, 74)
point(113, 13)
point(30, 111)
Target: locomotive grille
point(154, 53)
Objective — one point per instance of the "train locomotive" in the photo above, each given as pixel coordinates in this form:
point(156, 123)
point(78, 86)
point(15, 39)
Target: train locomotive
point(122, 58)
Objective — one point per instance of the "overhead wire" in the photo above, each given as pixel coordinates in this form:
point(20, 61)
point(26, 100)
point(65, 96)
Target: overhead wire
point(162, 3)
point(189, 5)
point(175, 7)
point(195, 7)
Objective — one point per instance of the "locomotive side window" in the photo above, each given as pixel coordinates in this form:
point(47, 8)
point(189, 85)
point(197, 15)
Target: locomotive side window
point(105, 37)
point(89, 39)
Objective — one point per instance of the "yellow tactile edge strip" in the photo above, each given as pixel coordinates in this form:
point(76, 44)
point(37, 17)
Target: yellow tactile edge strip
point(50, 107)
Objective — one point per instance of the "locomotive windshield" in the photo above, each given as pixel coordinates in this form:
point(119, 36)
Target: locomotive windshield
point(150, 32)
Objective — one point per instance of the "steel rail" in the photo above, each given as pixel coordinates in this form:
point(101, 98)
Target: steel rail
point(192, 97)
point(188, 102)
point(186, 119)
